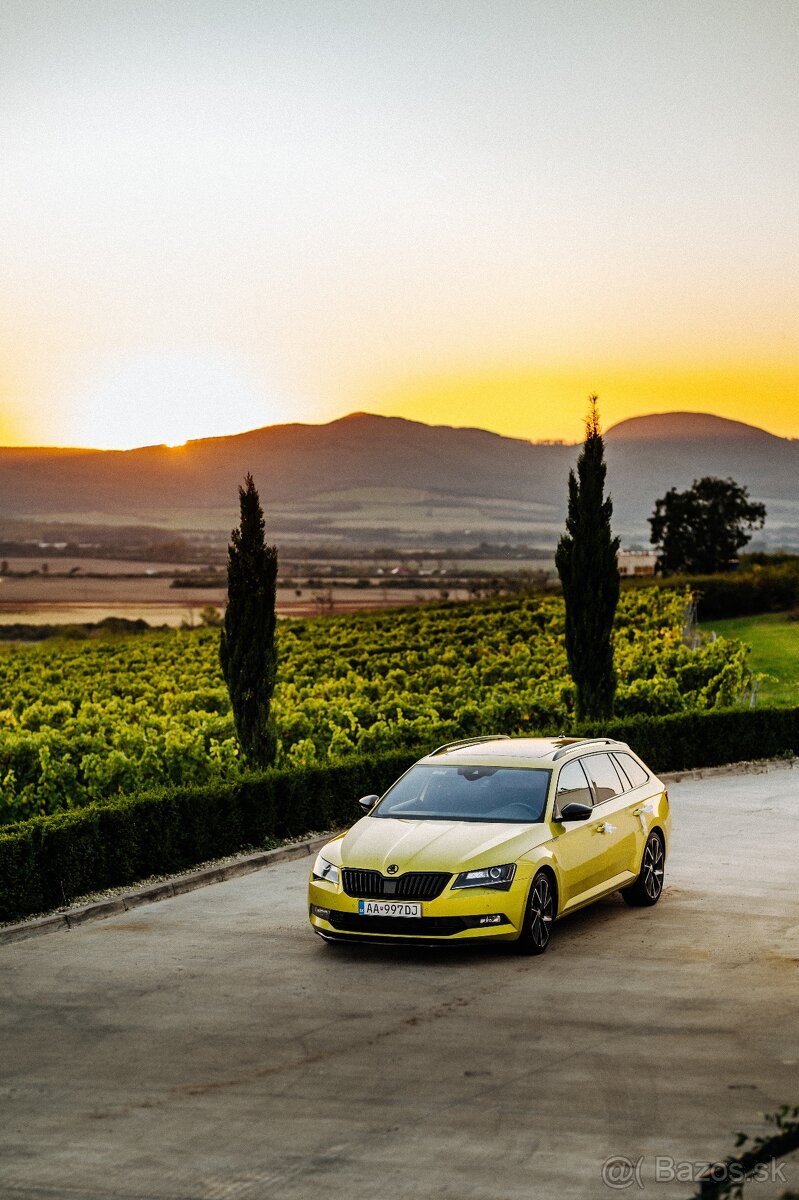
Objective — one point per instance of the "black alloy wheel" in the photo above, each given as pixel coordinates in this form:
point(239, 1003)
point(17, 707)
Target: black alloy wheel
point(648, 886)
point(539, 916)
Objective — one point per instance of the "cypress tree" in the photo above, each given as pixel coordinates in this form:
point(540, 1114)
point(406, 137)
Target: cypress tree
point(247, 644)
point(589, 573)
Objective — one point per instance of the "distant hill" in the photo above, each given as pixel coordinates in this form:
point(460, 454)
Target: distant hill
point(385, 478)
point(648, 455)
point(291, 462)
point(687, 426)
point(310, 478)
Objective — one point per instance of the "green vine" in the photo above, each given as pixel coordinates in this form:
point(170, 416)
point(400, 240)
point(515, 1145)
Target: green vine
point(725, 1180)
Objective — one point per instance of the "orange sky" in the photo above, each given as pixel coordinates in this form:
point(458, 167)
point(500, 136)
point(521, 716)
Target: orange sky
point(217, 217)
point(550, 405)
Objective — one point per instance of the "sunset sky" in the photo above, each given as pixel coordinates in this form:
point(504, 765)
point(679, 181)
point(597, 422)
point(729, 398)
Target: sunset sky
point(221, 215)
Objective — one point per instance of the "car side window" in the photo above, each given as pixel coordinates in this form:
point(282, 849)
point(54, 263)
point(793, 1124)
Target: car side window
point(604, 777)
point(573, 787)
point(633, 770)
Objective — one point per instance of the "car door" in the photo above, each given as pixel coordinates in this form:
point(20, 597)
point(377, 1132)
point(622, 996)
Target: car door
point(580, 847)
point(615, 804)
point(643, 798)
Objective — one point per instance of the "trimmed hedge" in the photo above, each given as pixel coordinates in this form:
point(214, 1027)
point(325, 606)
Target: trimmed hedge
point(48, 861)
point(742, 593)
point(680, 741)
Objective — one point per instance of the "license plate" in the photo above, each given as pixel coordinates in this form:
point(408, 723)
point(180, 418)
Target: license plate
point(388, 908)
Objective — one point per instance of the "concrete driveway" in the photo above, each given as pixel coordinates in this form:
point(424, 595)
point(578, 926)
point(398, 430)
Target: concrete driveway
point(212, 1047)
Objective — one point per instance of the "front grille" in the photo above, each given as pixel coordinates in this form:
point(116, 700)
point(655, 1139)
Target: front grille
point(415, 926)
point(415, 885)
point(366, 884)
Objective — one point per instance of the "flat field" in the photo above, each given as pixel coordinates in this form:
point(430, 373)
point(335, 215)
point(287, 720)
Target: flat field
point(774, 650)
point(128, 590)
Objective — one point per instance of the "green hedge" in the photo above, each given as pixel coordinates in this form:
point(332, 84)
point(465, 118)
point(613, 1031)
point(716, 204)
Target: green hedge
point(706, 739)
point(742, 593)
point(48, 861)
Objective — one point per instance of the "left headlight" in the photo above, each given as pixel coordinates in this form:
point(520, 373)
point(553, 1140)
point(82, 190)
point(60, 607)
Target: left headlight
point(322, 869)
point(493, 877)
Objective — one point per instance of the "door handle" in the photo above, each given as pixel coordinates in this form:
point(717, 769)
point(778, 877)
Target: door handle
point(605, 827)
point(642, 812)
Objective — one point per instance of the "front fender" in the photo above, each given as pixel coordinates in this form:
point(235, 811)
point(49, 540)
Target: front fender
point(543, 856)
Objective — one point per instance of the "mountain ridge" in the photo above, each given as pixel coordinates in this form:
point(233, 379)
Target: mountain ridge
point(687, 425)
point(645, 425)
point(351, 463)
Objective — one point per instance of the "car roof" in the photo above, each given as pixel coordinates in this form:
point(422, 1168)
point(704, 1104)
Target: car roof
point(517, 751)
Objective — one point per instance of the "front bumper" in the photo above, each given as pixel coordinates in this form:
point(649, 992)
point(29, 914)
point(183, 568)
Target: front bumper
point(468, 914)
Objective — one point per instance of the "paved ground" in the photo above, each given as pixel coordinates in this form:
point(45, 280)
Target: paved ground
point(211, 1047)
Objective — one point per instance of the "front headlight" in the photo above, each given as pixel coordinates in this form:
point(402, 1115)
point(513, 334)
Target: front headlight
point(322, 869)
point(491, 877)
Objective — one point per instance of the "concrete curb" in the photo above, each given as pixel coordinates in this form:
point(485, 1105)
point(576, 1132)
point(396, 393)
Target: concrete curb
point(760, 766)
point(177, 886)
point(191, 880)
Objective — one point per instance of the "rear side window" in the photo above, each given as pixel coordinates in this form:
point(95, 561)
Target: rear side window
point(604, 776)
point(573, 787)
point(633, 770)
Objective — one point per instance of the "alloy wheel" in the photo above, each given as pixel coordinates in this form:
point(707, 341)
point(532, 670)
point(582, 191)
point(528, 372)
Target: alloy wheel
point(653, 867)
point(541, 912)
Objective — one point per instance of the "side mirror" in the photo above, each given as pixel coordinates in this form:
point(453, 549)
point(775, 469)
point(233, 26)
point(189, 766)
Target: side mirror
point(367, 803)
point(575, 812)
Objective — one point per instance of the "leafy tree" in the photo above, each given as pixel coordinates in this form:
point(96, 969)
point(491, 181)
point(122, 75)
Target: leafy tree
point(701, 530)
point(589, 573)
point(247, 645)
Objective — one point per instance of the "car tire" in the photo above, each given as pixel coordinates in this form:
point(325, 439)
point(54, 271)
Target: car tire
point(648, 887)
point(539, 916)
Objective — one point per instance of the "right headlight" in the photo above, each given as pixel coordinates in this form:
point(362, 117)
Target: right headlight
point(322, 869)
point(490, 877)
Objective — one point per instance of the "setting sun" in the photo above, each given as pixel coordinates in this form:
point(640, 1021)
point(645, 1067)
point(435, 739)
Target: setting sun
point(218, 219)
point(167, 398)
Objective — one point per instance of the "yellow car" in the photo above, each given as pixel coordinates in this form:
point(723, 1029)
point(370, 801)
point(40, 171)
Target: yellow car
point(495, 837)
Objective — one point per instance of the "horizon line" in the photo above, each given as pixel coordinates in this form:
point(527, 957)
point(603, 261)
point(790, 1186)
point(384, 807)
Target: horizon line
point(78, 449)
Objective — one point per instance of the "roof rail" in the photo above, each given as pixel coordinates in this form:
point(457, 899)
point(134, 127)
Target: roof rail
point(583, 742)
point(475, 741)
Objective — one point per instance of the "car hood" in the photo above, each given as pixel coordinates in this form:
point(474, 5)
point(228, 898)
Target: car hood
point(374, 842)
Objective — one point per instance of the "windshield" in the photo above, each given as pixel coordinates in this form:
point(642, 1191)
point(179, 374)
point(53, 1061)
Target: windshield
point(467, 794)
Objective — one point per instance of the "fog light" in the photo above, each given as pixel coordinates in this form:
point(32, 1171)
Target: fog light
point(492, 919)
point(322, 913)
